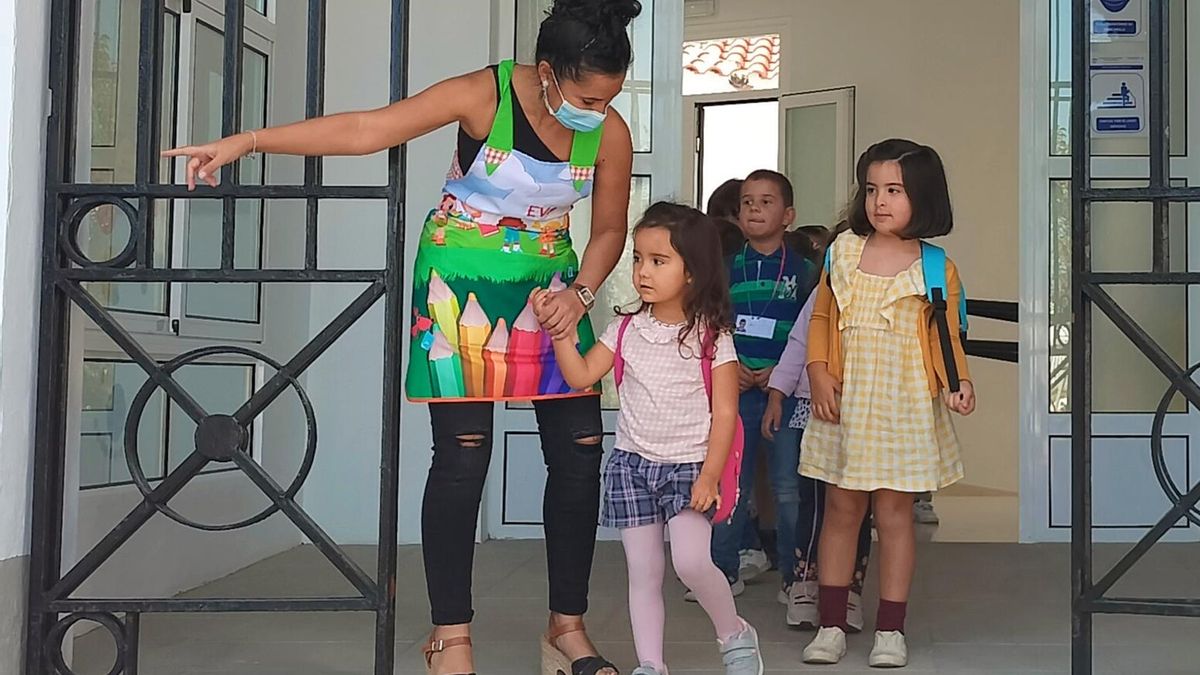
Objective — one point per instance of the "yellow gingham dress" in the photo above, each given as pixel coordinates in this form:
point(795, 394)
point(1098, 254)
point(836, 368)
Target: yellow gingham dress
point(892, 435)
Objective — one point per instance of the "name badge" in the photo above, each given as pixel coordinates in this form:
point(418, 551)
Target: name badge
point(755, 326)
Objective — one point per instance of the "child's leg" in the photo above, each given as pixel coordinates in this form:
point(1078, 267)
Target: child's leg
point(783, 465)
point(864, 555)
point(646, 562)
point(691, 534)
point(729, 537)
point(898, 555)
point(808, 527)
point(844, 511)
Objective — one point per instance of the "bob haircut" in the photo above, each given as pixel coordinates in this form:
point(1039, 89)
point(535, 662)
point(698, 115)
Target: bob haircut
point(924, 181)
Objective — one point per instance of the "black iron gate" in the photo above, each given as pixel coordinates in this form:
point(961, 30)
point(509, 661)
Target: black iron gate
point(219, 438)
point(1090, 597)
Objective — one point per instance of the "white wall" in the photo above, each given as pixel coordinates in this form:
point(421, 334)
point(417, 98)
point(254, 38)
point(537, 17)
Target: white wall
point(345, 383)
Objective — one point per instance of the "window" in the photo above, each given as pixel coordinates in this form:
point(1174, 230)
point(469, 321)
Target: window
point(186, 232)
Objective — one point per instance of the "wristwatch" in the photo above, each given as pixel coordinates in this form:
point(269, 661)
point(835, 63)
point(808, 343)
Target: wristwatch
point(586, 296)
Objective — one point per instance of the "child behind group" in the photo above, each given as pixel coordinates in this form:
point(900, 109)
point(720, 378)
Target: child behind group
point(789, 385)
point(881, 429)
point(672, 437)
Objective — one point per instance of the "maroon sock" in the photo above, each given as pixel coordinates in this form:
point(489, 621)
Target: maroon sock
point(891, 616)
point(831, 605)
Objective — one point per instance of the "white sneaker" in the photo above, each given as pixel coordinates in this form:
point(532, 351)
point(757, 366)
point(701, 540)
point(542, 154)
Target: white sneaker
point(736, 588)
point(827, 648)
point(891, 650)
point(924, 514)
point(784, 596)
point(752, 563)
point(802, 606)
point(854, 612)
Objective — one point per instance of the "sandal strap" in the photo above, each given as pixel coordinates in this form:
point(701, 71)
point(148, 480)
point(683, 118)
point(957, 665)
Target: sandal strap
point(591, 665)
point(575, 626)
point(439, 646)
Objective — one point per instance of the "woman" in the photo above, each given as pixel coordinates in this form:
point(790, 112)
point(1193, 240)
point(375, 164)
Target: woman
point(532, 140)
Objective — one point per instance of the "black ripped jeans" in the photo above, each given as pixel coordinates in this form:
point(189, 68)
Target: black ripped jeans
point(571, 431)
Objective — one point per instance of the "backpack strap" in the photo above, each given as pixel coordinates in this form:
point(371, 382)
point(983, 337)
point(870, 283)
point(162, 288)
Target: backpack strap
point(618, 360)
point(933, 267)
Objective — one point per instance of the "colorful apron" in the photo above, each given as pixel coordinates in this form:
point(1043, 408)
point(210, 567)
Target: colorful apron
point(501, 230)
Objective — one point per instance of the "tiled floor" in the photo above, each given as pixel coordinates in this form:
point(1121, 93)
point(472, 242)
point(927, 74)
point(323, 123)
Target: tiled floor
point(976, 608)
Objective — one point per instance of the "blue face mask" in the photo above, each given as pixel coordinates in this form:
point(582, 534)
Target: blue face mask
point(571, 117)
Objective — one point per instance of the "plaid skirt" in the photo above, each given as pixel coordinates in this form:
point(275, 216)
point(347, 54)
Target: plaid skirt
point(640, 492)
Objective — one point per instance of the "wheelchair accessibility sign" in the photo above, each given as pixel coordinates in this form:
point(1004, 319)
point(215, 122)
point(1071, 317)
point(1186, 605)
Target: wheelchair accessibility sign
point(1118, 97)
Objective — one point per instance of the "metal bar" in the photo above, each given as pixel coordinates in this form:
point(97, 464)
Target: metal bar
point(1141, 278)
point(997, 350)
point(1146, 344)
point(314, 106)
point(393, 323)
point(212, 605)
point(211, 275)
point(1081, 340)
point(133, 635)
point(231, 119)
point(999, 310)
point(165, 191)
point(1146, 194)
point(93, 559)
point(310, 353)
point(125, 341)
point(1146, 606)
point(350, 569)
point(149, 83)
point(1127, 561)
point(1160, 154)
point(46, 519)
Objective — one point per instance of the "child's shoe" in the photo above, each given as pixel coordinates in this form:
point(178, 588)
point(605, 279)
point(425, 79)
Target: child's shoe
point(802, 606)
point(741, 654)
point(827, 648)
point(752, 563)
point(854, 612)
point(645, 669)
point(891, 650)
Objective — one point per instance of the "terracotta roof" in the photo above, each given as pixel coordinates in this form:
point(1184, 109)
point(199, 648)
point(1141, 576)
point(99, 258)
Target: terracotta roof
point(735, 58)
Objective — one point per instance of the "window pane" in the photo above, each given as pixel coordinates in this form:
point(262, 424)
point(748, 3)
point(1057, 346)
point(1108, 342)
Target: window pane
point(634, 101)
point(234, 302)
point(259, 6)
point(730, 65)
point(811, 156)
point(113, 133)
point(1121, 242)
point(108, 391)
point(1111, 52)
point(219, 388)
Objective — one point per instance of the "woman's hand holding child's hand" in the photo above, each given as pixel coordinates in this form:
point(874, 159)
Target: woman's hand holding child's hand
point(825, 393)
point(962, 401)
point(540, 298)
point(705, 494)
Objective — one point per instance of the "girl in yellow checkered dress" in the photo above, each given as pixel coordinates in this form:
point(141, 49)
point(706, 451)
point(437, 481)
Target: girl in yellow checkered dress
point(881, 429)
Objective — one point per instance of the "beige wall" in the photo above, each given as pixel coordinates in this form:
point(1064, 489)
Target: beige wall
point(945, 73)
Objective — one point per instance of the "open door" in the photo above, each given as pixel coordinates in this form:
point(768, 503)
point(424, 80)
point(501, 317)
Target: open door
point(816, 152)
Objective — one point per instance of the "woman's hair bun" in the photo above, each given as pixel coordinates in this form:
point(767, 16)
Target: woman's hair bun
point(581, 36)
point(609, 13)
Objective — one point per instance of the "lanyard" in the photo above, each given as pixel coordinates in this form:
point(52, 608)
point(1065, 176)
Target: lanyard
point(758, 276)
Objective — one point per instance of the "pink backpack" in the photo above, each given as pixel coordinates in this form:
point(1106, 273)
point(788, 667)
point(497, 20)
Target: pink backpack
point(729, 485)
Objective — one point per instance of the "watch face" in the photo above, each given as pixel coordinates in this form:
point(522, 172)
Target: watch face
point(586, 295)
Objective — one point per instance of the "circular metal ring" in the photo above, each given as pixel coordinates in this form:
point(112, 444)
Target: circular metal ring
point(1161, 471)
point(138, 407)
point(73, 221)
point(54, 642)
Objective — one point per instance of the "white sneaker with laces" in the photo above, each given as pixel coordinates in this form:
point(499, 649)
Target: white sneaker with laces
point(924, 514)
point(802, 606)
point(854, 612)
point(752, 563)
point(891, 650)
point(736, 587)
point(827, 648)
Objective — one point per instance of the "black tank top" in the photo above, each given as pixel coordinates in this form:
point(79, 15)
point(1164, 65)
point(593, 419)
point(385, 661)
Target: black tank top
point(525, 138)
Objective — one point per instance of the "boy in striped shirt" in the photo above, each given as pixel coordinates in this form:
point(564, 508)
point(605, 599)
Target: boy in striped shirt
point(769, 284)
